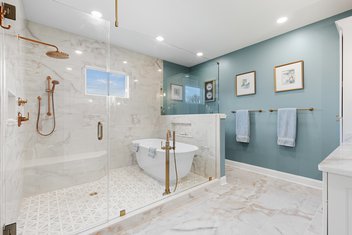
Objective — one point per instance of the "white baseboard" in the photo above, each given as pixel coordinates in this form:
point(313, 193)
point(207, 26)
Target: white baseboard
point(277, 174)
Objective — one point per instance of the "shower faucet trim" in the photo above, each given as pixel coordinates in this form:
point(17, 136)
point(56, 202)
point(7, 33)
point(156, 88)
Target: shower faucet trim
point(50, 92)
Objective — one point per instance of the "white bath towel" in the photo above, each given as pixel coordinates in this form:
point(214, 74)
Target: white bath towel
point(287, 127)
point(152, 152)
point(242, 126)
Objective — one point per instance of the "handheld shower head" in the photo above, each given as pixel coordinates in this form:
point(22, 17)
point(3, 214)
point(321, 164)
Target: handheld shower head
point(54, 82)
point(58, 55)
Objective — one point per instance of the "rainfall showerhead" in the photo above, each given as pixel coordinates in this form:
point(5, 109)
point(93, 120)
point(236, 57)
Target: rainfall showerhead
point(58, 55)
point(53, 54)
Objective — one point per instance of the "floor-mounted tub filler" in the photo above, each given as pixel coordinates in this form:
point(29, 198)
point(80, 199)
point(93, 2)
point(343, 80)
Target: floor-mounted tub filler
point(155, 165)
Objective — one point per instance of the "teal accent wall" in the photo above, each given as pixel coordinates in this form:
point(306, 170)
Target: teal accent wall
point(173, 74)
point(318, 132)
point(171, 69)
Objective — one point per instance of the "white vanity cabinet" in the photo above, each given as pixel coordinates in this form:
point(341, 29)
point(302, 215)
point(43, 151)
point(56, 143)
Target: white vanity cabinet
point(339, 204)
point(337, 191)
point(337, 167)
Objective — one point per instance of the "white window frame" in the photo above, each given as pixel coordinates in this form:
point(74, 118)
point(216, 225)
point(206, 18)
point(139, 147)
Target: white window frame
point(127, 81)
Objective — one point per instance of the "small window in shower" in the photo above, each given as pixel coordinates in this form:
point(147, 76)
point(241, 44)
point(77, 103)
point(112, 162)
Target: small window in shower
point(97, 83)
point(192, 95)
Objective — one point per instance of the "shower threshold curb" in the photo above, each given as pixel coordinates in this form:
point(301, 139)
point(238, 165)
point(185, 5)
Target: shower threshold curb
point(141, 215)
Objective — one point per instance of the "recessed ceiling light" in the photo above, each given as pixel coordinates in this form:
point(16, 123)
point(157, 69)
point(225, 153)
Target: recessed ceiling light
point(282, 20)
point(199, 54)
point(69, 69)
point(160, 70)
point(78, 52)
point(96, 14)
point(135, 80)
point(125, 62)
point(160, 38)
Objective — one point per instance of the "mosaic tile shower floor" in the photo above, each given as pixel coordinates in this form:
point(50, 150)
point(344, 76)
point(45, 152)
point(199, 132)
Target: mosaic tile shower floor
point(71, 210)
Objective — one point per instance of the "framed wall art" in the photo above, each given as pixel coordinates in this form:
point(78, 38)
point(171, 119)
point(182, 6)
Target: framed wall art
point(288, 77)
point(176, 92)
point(245, 83)
point(209, 88)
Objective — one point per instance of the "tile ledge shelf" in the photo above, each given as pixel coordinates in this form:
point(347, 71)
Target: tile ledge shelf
point(63, 159)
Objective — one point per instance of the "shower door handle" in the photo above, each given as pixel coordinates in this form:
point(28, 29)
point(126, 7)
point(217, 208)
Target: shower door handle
point(100, 131)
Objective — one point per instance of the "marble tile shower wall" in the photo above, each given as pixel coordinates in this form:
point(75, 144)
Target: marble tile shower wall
point(77, 114)
point(14, 137)
point(199, 130)
point(73, 155)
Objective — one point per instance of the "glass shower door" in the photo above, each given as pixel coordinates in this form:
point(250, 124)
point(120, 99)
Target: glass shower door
point(56, 162)
point(2, 130)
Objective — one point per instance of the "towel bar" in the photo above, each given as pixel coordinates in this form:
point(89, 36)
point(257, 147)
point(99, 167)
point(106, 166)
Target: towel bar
point(306, 109)
point(258, 110)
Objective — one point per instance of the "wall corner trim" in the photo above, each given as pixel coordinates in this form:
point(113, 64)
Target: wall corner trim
point(223, 180)
point(317, 184)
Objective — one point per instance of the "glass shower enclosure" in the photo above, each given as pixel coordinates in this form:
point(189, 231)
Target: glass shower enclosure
point(76, 113)
point(54, 147)
point(198, 87)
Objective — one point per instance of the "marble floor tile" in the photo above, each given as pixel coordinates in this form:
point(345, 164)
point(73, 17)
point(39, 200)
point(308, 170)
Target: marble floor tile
point(250, 204)
point(315, 227)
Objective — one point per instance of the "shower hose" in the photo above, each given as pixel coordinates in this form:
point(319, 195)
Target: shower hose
point(175, 171)
point(39, 104)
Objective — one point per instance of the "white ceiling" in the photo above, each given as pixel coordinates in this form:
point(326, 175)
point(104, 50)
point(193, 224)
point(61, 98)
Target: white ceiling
point(215, 27)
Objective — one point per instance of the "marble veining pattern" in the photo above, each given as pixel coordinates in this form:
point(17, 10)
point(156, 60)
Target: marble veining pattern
point(339, 161)
point(77, 114)
point(250, 204)
point(71, 210)
point(191, 129)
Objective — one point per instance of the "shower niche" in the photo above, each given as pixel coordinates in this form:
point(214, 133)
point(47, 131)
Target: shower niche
point(12, 108)
point(183, 129)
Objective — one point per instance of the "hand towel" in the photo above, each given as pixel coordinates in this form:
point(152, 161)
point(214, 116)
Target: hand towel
point(242, 126)
point(286, 127)
point(152, 152)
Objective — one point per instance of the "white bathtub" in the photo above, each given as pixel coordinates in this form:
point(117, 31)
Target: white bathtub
point(155, 166)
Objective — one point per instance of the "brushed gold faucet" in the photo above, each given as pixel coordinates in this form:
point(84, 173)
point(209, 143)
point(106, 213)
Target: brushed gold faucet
point(167, 149)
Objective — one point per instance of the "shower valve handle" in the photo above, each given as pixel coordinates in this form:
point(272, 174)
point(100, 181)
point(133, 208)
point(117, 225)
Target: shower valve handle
point(21, 119)
point(21, 101)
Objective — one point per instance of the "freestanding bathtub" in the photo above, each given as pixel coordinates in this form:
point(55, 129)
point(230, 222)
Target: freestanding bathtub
point(154, 164)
